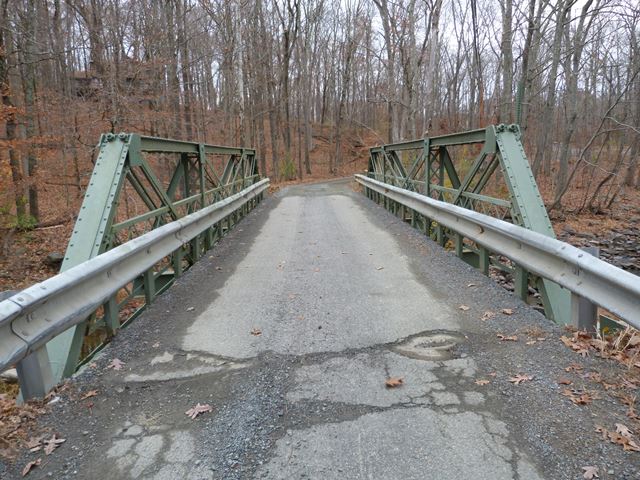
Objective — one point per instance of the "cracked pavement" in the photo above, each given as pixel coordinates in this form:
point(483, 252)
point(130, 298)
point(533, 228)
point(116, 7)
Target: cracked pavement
point(345, 295)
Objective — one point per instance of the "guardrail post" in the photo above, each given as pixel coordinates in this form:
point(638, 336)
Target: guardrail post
point(484, 260)
point(459, 244)
point(584, 313)
point(521, 283)
point(177, 262)
point(111, 320)
point(34, 374)
point(440, 235)
point(34, 371)
point(149, 286)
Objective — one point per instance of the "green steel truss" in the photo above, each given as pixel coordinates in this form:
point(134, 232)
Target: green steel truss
point(139, 183)
point(485, 170)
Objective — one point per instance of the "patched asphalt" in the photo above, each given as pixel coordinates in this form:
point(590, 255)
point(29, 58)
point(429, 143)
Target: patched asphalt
point(344, 295)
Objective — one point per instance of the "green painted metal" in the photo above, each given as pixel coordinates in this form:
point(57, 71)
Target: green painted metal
point(139, 183)
point(484, 170)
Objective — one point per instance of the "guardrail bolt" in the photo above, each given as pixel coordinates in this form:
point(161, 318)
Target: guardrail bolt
point(110, 137)
point(122, 136)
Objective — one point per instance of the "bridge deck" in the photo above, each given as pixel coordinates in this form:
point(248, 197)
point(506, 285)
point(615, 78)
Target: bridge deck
point(345, 296)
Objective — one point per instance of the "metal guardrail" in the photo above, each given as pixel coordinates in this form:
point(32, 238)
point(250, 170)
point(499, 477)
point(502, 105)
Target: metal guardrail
point(32, 317)
point(584, 275)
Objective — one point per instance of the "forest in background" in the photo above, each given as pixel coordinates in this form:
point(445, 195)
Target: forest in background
point(311, 84)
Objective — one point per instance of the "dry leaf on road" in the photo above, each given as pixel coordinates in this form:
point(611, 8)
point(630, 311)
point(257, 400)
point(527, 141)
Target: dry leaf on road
point(578, 397)
point(623, 430)
point(564, 381)
point(482, 382)
point(507, 311)
point(394, 382)
point(53, 443)
point(628, 443)
point(256, 332)
point(89, 394)
point(27, 468)
point(590, 473)
point(380, 268)
point(464, 308)
point(193, 412)
point(507, 338)
point(487, 315)
point(574, 367)
point(33, 444)
point(116, 364)
point(518, 379)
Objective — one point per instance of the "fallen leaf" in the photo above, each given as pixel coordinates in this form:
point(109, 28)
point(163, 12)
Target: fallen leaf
point(507, 338)
point(33, 442)
point(578, 397)
point(624, 430)
point(507, 311)
point(564, 381)
point(471, 285)
point(464, 308)
point(116, 364)
point(482, 382)
point(27, 468)
point(193, 412)
point(628, 444)
point(52, 444)
point(380, 268)
point(191, 309)
point(487, 315)
point(530, 342)
point(394, 382)
point(256, 332)
point(518, 379)
point(156, 345)
point(89, 394)
point(574, 367)
point(590, 473)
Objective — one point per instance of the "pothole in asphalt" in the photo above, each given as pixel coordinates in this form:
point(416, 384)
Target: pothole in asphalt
point(434, 345)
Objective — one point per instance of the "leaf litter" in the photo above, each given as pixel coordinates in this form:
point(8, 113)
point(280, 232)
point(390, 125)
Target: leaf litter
point(199, 409)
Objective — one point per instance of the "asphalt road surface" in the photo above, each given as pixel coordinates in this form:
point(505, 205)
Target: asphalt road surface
point(289, 329)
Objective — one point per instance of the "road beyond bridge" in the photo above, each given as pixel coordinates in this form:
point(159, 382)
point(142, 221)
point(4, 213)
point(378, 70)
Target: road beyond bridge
point(289, 329)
